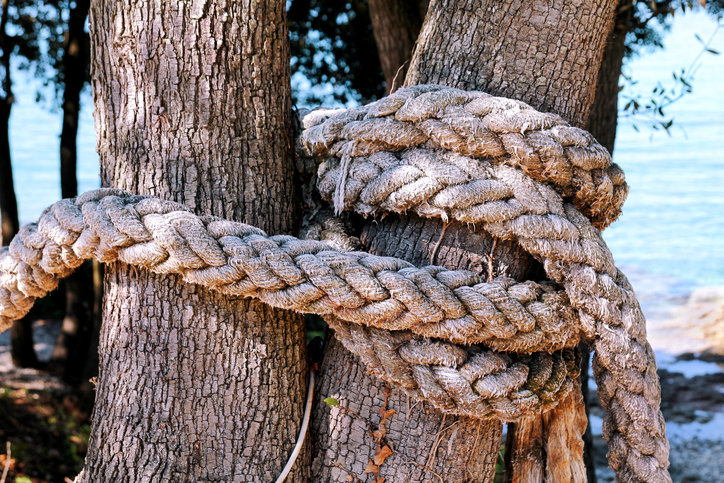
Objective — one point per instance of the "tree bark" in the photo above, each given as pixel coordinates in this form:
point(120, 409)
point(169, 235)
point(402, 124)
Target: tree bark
point(193, 104)
point(546, 54)
point(604, 113)
point(395, 25)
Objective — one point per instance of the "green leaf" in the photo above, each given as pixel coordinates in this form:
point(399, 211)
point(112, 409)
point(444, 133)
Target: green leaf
point(698, 38)
point(712, 51)
point(23, 479)
point(332, 402)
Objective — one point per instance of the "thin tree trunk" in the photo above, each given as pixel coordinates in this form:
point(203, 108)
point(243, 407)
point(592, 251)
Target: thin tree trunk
point(74, 342)
point(75, 66)
point(604, 113)
point(546, 54)
point(395, 24)
point(193, 104)
point(602, 124)
point(22, 349)
point(8, 202)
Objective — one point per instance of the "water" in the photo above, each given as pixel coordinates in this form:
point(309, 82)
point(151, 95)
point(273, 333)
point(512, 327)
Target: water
point(670, 239)
point(35, 145)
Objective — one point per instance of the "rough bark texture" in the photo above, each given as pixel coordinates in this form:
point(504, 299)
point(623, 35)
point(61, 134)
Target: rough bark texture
point(543, 53)
point(604, 113)
point(546, 54)
point(395, 24)
point(193, 105)
point(347, 432)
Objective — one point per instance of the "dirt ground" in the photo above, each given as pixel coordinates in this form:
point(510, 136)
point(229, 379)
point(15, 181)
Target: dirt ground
point(49, 434)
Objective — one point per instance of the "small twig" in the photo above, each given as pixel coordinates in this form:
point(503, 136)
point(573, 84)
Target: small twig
point(410, 460)
point(394, 80)
point(491, 258)
point(414, 406)
point(8, 448)
point(433, 256)
point(438, 438)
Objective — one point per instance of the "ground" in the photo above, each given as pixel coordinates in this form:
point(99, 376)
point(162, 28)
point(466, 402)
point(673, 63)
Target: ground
point(49, 433)
point(40, 418)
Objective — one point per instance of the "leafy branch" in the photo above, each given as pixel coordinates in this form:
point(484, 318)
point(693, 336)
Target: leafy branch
point(650, 110)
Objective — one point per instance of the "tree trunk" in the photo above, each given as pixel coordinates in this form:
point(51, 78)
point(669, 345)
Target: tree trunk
point(22, 349)
point(602, 124)
point(8, 202)
point(75, 65)
point(75, 339)
point(546, 54)
point(604, 112)
point(395, 24)
point(193, 104)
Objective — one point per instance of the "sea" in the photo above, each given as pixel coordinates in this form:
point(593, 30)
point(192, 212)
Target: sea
point(670, 238)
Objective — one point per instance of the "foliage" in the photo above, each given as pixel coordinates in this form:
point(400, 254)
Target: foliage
point(650, 21)
point(333, 48)
point(37, 33)
point(650, 109)
point(33, 36)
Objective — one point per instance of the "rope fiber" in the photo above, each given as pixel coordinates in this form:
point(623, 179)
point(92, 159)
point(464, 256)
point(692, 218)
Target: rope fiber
point(498, 349)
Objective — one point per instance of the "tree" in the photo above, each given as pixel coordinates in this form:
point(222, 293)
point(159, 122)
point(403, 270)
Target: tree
point(20, 23)
point(193, 104)
point(32, 32)
point(332, 44)
point(178, 110)
point(484, 46)
point(75, 344)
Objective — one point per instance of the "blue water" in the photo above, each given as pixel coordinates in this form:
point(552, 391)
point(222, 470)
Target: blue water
point(670, 239)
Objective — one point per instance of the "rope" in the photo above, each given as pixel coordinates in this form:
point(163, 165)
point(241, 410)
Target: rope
point(385, 309)
point(468, 156)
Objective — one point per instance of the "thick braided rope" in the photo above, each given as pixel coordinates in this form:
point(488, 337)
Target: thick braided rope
point(395, 157)
point(311, 277)
point(446, 127)
point(283, 271)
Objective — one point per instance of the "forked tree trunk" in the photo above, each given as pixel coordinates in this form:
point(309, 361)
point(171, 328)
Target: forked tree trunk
point(546, 54)
point(193, 104)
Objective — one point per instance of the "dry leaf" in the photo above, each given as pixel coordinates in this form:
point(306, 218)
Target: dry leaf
point(380, 480)
point(372, 468)
point(379, 434)
point(386, 413)
point(350, 478)
point(381, 454)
